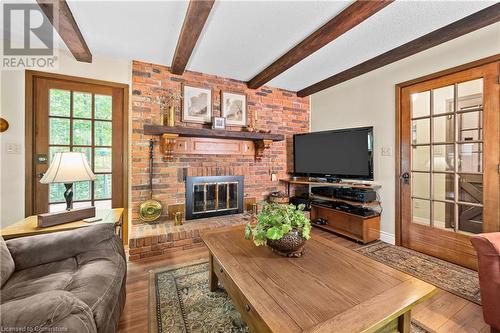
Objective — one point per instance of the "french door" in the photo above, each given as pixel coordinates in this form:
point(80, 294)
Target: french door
point(73, 115)
point(450, 155)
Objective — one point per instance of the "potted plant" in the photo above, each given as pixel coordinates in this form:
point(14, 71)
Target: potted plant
point(284, 228)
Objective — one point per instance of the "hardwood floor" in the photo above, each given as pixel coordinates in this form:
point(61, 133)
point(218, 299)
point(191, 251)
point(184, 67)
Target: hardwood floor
point(444, 312)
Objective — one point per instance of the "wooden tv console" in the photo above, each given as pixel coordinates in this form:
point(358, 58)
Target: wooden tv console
point(359, 228)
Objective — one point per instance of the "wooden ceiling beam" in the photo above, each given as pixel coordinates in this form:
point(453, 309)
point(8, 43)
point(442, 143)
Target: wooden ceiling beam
point(59, 14)
point(337, 26)
point(456, 29)
point(196, 16)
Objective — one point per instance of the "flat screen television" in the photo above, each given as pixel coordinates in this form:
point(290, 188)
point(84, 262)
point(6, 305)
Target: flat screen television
point(345, 153)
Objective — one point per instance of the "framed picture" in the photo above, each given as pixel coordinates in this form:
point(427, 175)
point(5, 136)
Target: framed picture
point(218, 123)
point(196, 104)
point(234, 108)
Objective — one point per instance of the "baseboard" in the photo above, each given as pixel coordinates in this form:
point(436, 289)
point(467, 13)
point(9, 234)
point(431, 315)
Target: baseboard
point(387, 237)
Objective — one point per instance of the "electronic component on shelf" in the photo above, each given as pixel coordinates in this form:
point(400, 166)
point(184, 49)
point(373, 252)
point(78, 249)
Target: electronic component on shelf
point(346, 193)
point(345, 207)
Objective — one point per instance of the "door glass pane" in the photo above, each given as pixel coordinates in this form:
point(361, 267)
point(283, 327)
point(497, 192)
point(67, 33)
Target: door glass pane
point(82, 132)
point(57, 149)
point(443, 101)
point(57, 207)
point(420, 131)
point(87, 151)
point(421, 211)
point(470, 94)
point(470, 157)
point(103, 107)
point(470, 219)
point(82, 105)
point(470, 188)
point(443, 157)
point(421, 158)
point(82, 204)
point(443, 215)
point(420, 104)
point(58, 131)
point(59, 103)
point(102, 158)
point(470, 126)
point(56, 192)
point(103, 204)
point(102, 186)
point(443, 129)
point(102, 133)
point(81, 191)
point(420, 185)
point(443, 186)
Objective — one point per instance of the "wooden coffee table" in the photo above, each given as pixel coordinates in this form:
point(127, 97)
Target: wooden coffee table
point(329, 289)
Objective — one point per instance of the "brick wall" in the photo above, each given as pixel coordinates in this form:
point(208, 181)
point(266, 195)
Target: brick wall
point(278, 110)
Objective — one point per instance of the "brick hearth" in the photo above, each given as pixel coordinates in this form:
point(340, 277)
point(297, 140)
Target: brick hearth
point(164, 239)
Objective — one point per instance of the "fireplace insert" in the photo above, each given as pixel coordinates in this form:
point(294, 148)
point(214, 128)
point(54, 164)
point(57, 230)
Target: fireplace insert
point(213, 196)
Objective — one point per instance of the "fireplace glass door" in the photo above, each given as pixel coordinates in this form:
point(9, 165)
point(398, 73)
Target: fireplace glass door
point(211, 196)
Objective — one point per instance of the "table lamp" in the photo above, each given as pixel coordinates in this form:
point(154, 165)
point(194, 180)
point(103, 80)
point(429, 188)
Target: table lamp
point(67, 168)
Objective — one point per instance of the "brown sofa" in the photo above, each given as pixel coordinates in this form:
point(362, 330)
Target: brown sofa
point(488, 251)
point(71, 281)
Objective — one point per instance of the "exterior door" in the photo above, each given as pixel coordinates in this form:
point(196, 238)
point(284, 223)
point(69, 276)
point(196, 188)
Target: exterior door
point(69, 115)
point(450, 148)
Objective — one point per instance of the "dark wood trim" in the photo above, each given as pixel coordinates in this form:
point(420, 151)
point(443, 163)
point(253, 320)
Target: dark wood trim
point(452, 70)
point(337, 26)
point(398, 161)
point(397, 174)
point(59, 14)
point(210, 133)
point(456, 29)
point(30, 77)
point(70, 78)
point(28, 143)
point(196, 16)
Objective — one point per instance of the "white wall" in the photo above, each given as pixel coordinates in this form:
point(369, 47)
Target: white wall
point(12, 109)
point(369, 100)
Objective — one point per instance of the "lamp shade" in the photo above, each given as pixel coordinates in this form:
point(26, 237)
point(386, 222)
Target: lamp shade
point(68, 167)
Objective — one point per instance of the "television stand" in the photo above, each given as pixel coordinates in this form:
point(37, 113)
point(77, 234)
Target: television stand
point(363, 229)
point(360, 228)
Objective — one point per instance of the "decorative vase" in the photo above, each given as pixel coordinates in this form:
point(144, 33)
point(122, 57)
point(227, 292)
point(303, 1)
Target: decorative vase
point(171, 116)
point(290, 245)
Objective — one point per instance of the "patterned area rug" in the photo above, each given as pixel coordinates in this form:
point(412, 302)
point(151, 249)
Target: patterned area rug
point(456, 279)
point(185, 305)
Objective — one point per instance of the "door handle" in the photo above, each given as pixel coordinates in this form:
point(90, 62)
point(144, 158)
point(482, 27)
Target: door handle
point(405, 177)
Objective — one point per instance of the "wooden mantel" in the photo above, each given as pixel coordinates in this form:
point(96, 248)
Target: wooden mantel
point(189, 140)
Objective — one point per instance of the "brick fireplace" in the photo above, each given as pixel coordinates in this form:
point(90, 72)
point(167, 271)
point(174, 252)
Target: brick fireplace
point(279, 111)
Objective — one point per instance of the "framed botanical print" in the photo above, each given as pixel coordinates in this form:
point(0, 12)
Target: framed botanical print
point(234, 109)
point(196, 104)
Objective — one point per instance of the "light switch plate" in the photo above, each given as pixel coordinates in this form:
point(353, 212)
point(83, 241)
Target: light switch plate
point(386, 151)
point(12, 148)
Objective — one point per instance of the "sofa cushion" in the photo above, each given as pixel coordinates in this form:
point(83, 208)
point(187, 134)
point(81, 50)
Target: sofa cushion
point(94, 277)
point(57, 311)
point(6, 263)
point(39, 279)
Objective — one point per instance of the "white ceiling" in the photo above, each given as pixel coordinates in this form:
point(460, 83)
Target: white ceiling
point(241, 38)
